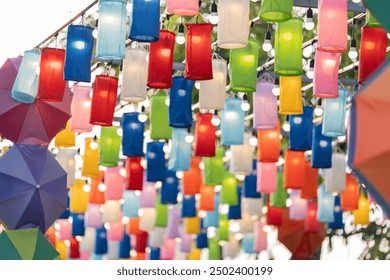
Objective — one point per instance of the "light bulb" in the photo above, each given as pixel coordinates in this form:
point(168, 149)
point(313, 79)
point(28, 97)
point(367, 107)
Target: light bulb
point(253, 141)
point(388, 35)
point(119, 132)
point(102, 187)
point(86, 187)
point(189, 138)
point(180, 39)
point(167, 101)
point(276, 88)
point(129, 7)
point(318, 111)
point(286, 125)
point(267, 46)
point(245, 106)
point(310, 72)
point(215, 121)
point(356, 1)
point(167, 148)
point(142, 117)
point(214, 15)
point(94, 145)
point(352, 54)
point(197, 85)
point(309, 23)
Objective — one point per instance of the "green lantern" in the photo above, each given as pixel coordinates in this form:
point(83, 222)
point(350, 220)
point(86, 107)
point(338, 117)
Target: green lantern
point(159, 124)
point(371, 20)
point(288, 48)
point(276, 10)
point(278, 198)
point(214, 168)
point(110, 143)
point(214, 249)
point(229, 190)
point(223, 230)
point(161, 213)
point(243, 67)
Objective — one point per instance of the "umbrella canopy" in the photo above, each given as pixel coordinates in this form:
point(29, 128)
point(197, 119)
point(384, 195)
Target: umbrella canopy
point(33, 189)
point(369, 136)
point(26, 244)
point(35, 123)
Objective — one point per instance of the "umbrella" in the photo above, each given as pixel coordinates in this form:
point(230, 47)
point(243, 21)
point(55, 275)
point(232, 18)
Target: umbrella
point(300, 243)
point(26, 244)
point(369, 135)
point(35, 123)
point(33, 189)
point(380, 10)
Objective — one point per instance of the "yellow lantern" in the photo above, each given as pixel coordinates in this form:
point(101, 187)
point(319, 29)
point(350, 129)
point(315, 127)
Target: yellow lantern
point(291, 95)
point(90, 166)
point(65, 138)
point(362, 214)
point(79, 197)
point(192, 225)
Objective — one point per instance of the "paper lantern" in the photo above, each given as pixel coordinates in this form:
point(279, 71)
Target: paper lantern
point(74, 252)
point(133, 226)
point(234, 211)
point(232, 122)
point(249, 187)
point(195, 254)
point(125, 247)
point(309, 190)
point(66, 158)
point(130, 204)
point(260, 237)
point(25, 86)
point(326, 202)
point(51, 83)
point(78, 197)
point(229, 190)
point(186, 242)
point(212, 217)
point(147, 219)
point(174, 219)
point(155, 162)
point(294, 169)
point(145, 21)
point(241, 161)
point(111, 30)
point(276, 10)
point(65, 138)
point(202, 240)
point(192, 179)
point(371, 20)
point(87, 243)
point(81, 109)
point(104, 97)
point(233, 24)
point(93, 216)
point(252, 206)
point(266, 177)
point(268, 147)
point(298, 208)
point(290, 96)
point(214, 168)
point(111, 211)
point(214, 249)
point(288, 48)
point(79, 45)
point(206, 200)
point(61, 249)
point(156, 237)
point(311, 223)
point(133, 135)
point(114, 182)
point(223, 230)
point(329, 39)
point(279, 197)
point(141, 242)
point(373, 46)
point(161, 213)
point(248, 243)
point(188, 207)
point(180, 102)
point(301, 130)
point(161, 60)
point(231, 248)
point(168, 249)
point(265, 107)
point(350, 195)
point(110, 143)
point(182, 8)
point(338, 215)
point(192, 225)
point(64, 231)
point(321, 156)
point(205, 138)
point(134, 174)
point(243, 65)
point(326, 81)
point(154, 253)
point(335, 177)
point(159, 117)
point(115, 231)
point(147, 199)
point(180, 155)
point(169, 188)
point(274, 216)
point(333, 123)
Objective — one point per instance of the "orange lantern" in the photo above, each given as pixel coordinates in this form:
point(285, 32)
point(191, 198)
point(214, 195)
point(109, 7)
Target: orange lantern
point(350, 196)
point(309, 189)
point(133, 226)
point(205, 138)
point(268, 147)
point(192, 179)
point(206, 201)
point(97, 194)
point(294, 170)
point(134, 174)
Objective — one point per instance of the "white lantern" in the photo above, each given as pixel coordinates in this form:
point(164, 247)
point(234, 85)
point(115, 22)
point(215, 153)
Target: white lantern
point(147, 218)
point(241, 161)
point(111, 211)
point(335, 177)
point(66, 158)
point(252, 206)
point(112, 250)
point(231, 248)
point(156, 237)
point(246, 224)
point(87, 243)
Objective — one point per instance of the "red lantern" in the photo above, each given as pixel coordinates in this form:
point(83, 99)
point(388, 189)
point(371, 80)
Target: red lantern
point(51, 83)
point(274, 216)
point(198, 52)
point(134, 174)
point(74, 252)
point(141, 242)
point(373, 46)
point(205, 139)
point(350, 196)
point(311, 222)
point(105, 90)
point(192, 179)
point(294, 170)
point(309, 189)
point(206, 201)
point(161, 61)
point(268, 148)
point(97, 195)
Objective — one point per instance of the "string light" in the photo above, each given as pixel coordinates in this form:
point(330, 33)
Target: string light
point(142, 117)
point(94, 145)
point(189, 138)
point(310, 72)
point(253, 140)
point(352, 54)
point(309, 23)
point(276, 88)
point(214, 13)
point(267, 46)
point(180, 39)
point(245, 106)
point(215, 121)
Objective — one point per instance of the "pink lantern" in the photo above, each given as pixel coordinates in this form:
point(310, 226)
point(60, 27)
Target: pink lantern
point(115, 231)
point(81, 109)
point(114, 182)
point(168, 249)
point(182, 8)
point(64, 229)
point(174, 219)
point(265, 107)
point(260, 237)
point(266, 177)
point(148, 196)
point(311, 222)
point(326, 75)
point(298, 208)
point(93, 216)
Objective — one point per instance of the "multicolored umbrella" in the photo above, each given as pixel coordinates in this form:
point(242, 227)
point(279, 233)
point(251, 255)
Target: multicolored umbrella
point(35, 123)
point(26, 244)
point(33, 189)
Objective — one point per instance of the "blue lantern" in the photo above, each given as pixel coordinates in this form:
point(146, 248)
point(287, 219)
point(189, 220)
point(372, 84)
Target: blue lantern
point(249, 187)
point(232, 122)
point(145, 21)
point(78, 228)
point(321, 156)
point(180, 102)
point(125, 247)
point(101, 241)
point(111, 30)
point(169, 188)
point(180, 156)
point(326, 202)
point(154, 254)
point(235, 210)
point(202, 240)
point(66, 213)
point(78, 53)
point(338, 215)
point(301, 130)
point(247, 243)
point(155, 162)
point(334, 115)
point(133, 135)
point(188, 208)
point(130, 205)
point(212, 217)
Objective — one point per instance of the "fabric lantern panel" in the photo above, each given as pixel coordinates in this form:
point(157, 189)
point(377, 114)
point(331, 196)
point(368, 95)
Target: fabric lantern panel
point(134, 173)
point(78, 197)
point(298, 208)
point(266, 177)
point(180, 102)
point(214, 249)
point(114, 183)
point(290, 96)
point(362, 214)
point(212, 217)
point(279, 197)
point(133, 226)
point(182, 8)
point(65, 138)
point(90, 166)
point(249, 188)
point(260, 237)
point(301, 130)
point(326, 74)
point(335, 177)
point(169, 188)
point(205, 138)
point(155, 164)
point(125, 247)
point(192, 179)
point(229, 190)
point(294, 169)
point(241, 161)
point(87, 244)
point(79, 45)
point(147, 218)
point(265, 107)
point(159, 117)
point(130, 204)
point(141, 242)
point(214, 168)
point(115, 231)
point(64, 229)
point(51, 83)
point(274, 216)
point(248, 243)
point(206, 200)
point(268, 147)
point(97, 195)
point(276, 10)
point(321, 149)
point(93, 217)
point(243, 67)
point(174, 220)
point(154, 253)
point(338, 215)
point(309, 190)
point(232, 122)
point(252, 206)
point(81, 109)
point(112, 250)
point(110, 142)
point(148, 197)
point(333, 124)
point(161, 213)
point(234, 212)
point(192, 225)
point(161, 61)
point(326, 203)
point(167, 251)
point(156, 237)
point(66, 158)
point(101, 246)
point(74, 252)
point(133, 135)
point(145, 21)
point(112, 211)
point(180, 155)
point(105, 90)
point(350, 195)
point(311, 223)
point(111, 30)
point(188, 207)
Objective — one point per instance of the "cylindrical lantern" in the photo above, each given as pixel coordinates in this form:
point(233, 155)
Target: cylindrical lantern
point(301, 130)
point(333, 123)
point(362, 214)
point(174, 219)
point(214, 249)
point(241, 161)
point(159, 117)
point(134, 174)
point(110, 143)
point(309, 190)
point(214, 168)
point(66, 158)
point(252, 206)
point(105, 90)
point(93, 216)
point(145, 21)
point(155, 168)
point(112, 211)
point(114, 182)
point(192, 225)
point(338, 222)
point(206, 200)
point(156, 237)
point(97, 195)
point(79, 198)
point(65, 138)
point(111, 30)
point(260, 237)
point(294, 169)
point(268, 147)
point(188, 207)
point(265, 106)
point(74, 252)
point(141, 241)
point(198, 64)
point(161, 61)
point(325, 206)
point(279, 197)
point(202, 240)
point(125, 247)
point(25, 86)
point(250, 183)
point(335, 176)
point(101, 246)
point(168, 249)
point(148, 196)
point(212, 217)
point(133, 135)
point(233, 214)
point(233, 23)
point(232, 122)
point(229, 190)
point(133, 226)
point(321, 156)
point(335, 12)
point(154, 253)
point(180, 102)
point(192, 179)
point(326, 75)
point(78, 55)
point(130, 204)
point(161, 213)
point(81, 109)
point(180, 156)
point(205, 138)
point(350, 196)
point(288, 48)
point(243, 67)
point(115, 231)
point(182, 8)
point(51, 83)
point(311, 223)
point(87, 244)
point(290, 96)
point(147, 219)
point(266, 177)
point(276, 10)
point(373, 45)
point(169, 188)
point(64, 229)
point(248, 243)
point(186, 242)
point(298, 208)
point(274, 216)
